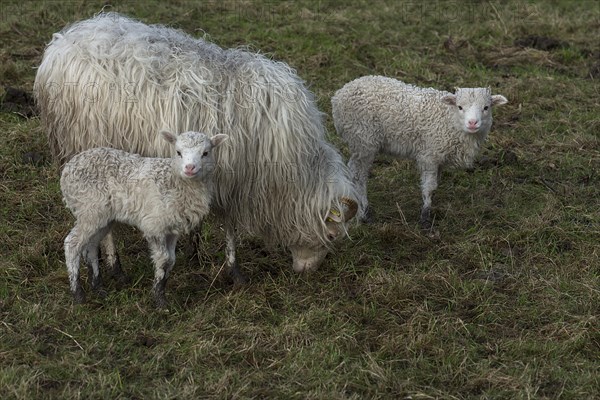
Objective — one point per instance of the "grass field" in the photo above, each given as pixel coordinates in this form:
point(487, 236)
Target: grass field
point(505, 304)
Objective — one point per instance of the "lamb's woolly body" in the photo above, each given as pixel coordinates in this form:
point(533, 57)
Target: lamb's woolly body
point(102, 185)
point(402, 119)
point(376, 114)
point(162, 197)
point(112, 81)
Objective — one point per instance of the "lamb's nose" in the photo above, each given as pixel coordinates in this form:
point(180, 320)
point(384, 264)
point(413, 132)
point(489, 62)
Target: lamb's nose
point(472, 122)
point(189, 168)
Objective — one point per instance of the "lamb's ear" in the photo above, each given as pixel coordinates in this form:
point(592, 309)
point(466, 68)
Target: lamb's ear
point(498, 100)
point(168, 136)
point(449, 99)
point(218, 139)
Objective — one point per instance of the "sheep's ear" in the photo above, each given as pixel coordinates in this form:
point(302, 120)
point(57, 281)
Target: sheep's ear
point(498, 100)
point(168, 136)
point(218, 139)
point(449, 99)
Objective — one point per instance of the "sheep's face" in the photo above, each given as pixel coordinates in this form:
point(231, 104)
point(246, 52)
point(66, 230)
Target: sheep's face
point(193, 153)
point(472, 108)
point(308, 256)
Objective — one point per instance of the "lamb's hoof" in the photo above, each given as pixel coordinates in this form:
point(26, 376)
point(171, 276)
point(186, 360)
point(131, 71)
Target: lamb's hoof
point(427, 228)
point(239, 279)
point(432, 234)
point(161, 303)
point(121, 280)
point(79, 296)
point(426, 224)
point(101, 292)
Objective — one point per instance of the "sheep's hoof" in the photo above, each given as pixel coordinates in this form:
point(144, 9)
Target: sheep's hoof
point(79, 295)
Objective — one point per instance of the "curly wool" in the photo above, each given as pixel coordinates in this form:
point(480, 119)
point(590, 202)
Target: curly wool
point(404, 120)
point(162, 197)
point(102, 185)
point(376, 114)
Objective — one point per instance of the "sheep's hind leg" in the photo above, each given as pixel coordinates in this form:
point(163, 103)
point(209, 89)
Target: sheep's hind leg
point(359, 166)
point(429, 182)
point(163, 255)
point(111, 257)
point(233, 268)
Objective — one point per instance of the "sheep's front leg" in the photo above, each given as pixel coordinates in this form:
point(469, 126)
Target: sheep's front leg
point(233, 268)
point(429, 182)
point(359, 165)
point(163, 255)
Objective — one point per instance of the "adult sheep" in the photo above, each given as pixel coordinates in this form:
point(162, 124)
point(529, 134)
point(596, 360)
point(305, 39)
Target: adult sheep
point(112, 81)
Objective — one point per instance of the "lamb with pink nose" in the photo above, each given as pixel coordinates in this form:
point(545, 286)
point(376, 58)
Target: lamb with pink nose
point(375, 114)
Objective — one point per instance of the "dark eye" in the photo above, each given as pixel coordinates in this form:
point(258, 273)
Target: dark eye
point(485, 108)
point(460, 108)
point(178, 153)
point(205, 154)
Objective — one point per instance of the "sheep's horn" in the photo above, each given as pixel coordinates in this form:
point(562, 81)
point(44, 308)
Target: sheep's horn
point(351, 208)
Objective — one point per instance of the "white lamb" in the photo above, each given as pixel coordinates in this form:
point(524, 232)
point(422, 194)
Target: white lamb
point(435, 128)
point(163, 197)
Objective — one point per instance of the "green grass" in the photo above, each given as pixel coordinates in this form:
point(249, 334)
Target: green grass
point(503, 305)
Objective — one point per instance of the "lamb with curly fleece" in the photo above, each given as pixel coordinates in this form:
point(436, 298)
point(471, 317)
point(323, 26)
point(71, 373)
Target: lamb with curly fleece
point(375, 114)
point(163, 197)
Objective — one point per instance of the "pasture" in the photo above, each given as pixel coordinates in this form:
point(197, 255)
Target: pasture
point(503, 304)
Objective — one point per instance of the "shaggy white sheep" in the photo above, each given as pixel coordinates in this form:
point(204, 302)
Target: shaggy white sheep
point(375, 114)
point(111, 81)
point(162, 197)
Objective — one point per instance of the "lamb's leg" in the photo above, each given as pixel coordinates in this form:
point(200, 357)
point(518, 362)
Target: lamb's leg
point(429, 182)
point(91, 252)
point(233, 268)
point(193, 245)
point(163, 255)
point(72, 256)
point(109, 253)
point(75, 242)
point(359, 166)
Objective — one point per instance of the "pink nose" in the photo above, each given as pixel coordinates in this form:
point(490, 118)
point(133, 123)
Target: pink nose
point(189, 168)
point(472, 123)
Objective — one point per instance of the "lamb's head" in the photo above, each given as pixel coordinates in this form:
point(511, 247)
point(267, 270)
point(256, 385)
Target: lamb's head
point(193, 153)
point(308, 255)
point(471, 108)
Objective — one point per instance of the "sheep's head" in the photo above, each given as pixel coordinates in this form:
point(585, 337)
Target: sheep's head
point(472, 108)
point(308, 256)
point(193, 153)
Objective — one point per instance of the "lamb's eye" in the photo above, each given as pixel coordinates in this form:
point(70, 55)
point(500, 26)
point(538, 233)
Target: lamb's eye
point(178, 153)
point(460, 108)
point(205, 154)
point(485, 108)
